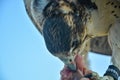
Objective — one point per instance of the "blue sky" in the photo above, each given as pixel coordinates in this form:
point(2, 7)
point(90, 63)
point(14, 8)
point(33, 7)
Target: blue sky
point(23, 55)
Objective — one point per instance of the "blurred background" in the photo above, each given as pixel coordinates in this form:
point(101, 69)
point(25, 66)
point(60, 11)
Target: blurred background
point(23, 55)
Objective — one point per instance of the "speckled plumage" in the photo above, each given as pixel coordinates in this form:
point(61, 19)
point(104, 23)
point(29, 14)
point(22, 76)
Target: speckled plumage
point(68, 26)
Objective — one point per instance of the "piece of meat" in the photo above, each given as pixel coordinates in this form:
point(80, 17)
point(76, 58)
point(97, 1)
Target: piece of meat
point(67, 74)
point(80, 63)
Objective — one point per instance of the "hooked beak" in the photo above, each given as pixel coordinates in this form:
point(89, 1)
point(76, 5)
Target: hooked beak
point(72, 65)
point(77, 63)
point(69, 61)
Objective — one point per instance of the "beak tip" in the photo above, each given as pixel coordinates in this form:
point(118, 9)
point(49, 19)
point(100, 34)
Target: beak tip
point(72, 67)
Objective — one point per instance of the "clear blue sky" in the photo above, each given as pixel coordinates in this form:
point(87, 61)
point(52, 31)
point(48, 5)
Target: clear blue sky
point(23, 55)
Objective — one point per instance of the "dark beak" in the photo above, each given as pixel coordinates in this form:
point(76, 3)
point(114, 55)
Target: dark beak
point(72, 67)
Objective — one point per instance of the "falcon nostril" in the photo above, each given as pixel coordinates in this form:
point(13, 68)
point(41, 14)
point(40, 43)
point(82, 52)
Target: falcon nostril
point(70, 60)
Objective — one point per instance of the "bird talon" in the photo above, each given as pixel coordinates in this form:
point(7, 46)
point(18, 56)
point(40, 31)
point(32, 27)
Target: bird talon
point(106, 78)
point(95, 76)
point(92, 76)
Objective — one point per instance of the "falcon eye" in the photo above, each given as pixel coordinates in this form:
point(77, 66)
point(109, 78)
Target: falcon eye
point(75, 44)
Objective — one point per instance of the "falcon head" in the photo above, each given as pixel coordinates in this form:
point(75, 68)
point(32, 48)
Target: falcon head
point(64, 30)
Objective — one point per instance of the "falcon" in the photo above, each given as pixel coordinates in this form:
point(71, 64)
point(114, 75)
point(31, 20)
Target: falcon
point(72, 28)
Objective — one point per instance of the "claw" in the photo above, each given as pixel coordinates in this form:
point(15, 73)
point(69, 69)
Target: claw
point(92, 76)
point(106, 78)
point(95, 76)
